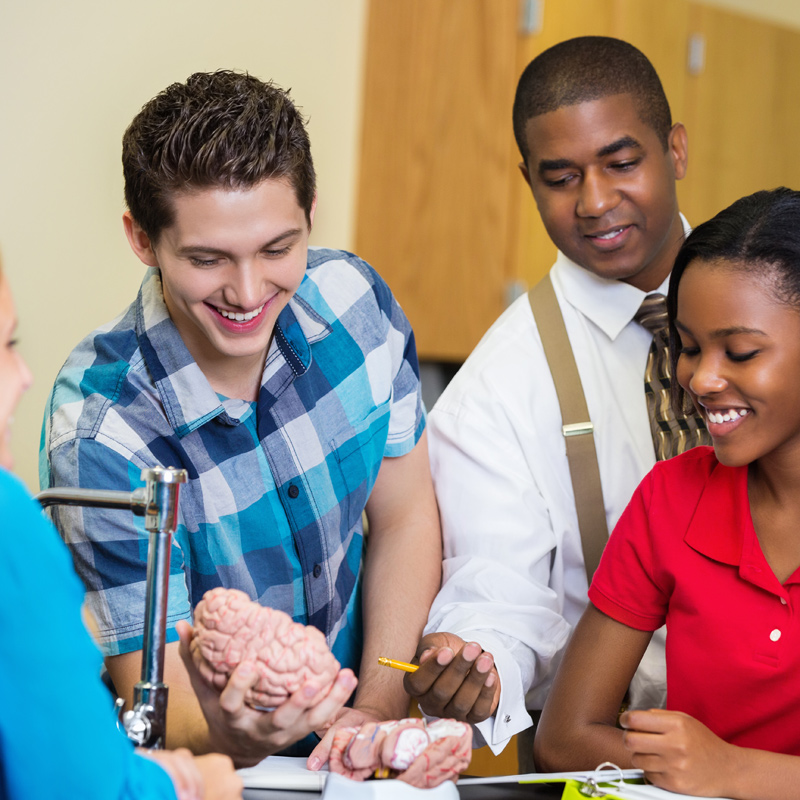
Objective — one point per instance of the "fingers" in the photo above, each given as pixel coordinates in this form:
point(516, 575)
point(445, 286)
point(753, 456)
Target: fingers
point(432, 662)
point(243, 678)
point(654, 720)
point(463, 685)
point(303, 712)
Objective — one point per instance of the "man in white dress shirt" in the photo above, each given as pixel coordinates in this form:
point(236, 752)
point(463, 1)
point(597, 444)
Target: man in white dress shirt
point(601, 156)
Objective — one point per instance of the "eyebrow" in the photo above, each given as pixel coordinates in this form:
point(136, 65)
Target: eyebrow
point(723, 332)
point(215, 251)
point(548, 164)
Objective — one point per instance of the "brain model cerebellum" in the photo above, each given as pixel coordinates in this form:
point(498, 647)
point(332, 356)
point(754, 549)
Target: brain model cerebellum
point(421, 754)
point(230, 628)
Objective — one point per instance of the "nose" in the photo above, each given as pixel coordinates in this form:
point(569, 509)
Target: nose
point(598, 194)
point(707, 377)
point(246, 287)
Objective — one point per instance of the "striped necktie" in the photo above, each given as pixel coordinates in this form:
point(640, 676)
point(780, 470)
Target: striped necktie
point(672, 434)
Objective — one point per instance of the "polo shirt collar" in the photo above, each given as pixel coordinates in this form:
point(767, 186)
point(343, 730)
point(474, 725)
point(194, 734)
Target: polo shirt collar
point(717, 529)
point(188, 398)
point(722, 527)
point(609, 304)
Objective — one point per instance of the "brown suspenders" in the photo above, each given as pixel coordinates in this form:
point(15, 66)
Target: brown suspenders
point(576, 424)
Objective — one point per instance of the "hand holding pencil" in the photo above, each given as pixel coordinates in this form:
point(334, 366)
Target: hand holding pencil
point(454, 679)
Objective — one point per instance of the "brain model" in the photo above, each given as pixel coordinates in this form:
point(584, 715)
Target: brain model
point(230, 628)
point(411, 750)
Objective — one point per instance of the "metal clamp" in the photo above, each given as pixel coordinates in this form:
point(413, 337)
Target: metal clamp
point(577, 428)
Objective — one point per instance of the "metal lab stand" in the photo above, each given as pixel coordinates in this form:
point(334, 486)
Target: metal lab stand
point(157, 502)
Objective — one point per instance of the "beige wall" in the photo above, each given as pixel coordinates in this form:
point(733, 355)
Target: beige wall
point(72, 75)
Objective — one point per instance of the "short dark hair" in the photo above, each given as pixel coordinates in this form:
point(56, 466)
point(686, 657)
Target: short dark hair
point(589, 68)
point(219, 129)
point(759, 234)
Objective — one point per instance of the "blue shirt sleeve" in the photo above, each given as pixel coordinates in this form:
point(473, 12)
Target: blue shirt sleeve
point(57, 729)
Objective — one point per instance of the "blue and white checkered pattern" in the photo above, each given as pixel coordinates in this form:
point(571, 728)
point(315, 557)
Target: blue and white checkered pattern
point(276, 488)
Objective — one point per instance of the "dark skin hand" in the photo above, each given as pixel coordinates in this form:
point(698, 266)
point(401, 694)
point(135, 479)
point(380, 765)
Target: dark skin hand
point(455, 679)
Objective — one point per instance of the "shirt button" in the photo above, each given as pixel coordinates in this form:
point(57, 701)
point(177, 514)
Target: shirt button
point(507, 718)
point(783, 601)
point(293, 491)
point(775, 635)
point(318, 572)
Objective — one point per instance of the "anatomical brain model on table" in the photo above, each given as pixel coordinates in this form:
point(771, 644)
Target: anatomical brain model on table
point(411, 750)
point(231, 628)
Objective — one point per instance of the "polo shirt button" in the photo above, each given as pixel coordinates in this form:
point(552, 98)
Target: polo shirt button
point(293, 491)
point(318, 572)
point(775, 635)
point(783, 601)
point(507, 718)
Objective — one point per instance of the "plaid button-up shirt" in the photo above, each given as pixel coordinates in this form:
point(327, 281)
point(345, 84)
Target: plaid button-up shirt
point(276, 488)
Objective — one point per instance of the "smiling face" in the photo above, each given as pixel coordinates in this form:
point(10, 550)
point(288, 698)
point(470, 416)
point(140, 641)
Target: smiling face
point(740, 361)
point(605, 188)
point(15, 377)
point(229, 264)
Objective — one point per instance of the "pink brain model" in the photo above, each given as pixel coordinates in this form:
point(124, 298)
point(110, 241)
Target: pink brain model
point(230, 628)
point(421, 754)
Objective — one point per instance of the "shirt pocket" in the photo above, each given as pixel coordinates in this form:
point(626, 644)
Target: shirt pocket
point(358, 454)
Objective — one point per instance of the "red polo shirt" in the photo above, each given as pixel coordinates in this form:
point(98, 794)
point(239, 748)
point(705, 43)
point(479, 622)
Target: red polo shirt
point(685, 552)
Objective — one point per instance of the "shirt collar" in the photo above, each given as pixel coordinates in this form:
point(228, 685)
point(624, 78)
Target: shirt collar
point(609, 304)
point(188, 399)
point(722, 527)
point(722, 516)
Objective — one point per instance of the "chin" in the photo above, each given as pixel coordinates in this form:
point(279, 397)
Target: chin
point(731, 459)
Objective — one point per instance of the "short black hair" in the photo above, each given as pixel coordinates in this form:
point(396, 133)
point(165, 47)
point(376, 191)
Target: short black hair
point(589, 68)
point(219, 129)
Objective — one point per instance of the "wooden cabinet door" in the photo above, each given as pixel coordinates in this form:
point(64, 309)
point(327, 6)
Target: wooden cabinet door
point(437, 162)
point(742, 111)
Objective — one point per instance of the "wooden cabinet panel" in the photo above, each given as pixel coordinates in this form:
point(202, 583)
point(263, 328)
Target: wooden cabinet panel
point(742, 111)
point(437, 158)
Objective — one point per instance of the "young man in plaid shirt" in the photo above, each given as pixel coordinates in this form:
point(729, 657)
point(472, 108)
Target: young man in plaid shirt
point(285, 381)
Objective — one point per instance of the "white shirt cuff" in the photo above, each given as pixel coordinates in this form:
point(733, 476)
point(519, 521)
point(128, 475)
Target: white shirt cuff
point(511, 716)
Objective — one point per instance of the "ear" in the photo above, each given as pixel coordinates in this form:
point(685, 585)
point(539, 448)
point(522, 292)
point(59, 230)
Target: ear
point(523, 168)
point(139, 240)
point(312, 212)
point(678, 149)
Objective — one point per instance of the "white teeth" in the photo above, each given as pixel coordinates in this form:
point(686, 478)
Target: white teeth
point(727, 416)
point(610, 235)
point(238, 316)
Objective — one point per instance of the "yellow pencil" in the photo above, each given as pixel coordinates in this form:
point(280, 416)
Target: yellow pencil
point(390, 662)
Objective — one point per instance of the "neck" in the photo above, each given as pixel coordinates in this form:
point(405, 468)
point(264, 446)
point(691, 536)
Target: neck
point(776, 478)
point(237, 378)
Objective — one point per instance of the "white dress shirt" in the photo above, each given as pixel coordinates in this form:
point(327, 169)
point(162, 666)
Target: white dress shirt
point(513, 576)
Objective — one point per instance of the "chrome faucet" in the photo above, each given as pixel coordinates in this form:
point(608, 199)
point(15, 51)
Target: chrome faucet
point(157, 502)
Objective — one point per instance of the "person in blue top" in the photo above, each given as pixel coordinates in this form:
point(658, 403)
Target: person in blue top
point(284, 379)
point(57, 732)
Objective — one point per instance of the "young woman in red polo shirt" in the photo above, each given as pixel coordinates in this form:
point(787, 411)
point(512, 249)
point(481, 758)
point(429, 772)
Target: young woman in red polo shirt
point(710, 543)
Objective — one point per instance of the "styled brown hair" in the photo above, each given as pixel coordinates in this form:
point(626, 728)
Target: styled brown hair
point(589, 68)
point(219, 129)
